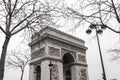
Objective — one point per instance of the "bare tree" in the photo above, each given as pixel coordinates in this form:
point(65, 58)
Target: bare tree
point(103, 13)
point(18, 59)
point(19, 15)
point(97, 13)
point(115, 53)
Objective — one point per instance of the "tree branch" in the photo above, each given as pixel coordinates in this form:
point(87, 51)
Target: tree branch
point(19, 8)
point(2, 30)
point(113, 30)
point(15, 5)
point(24, 19)
point(19, 30)
point(114, 8)
point(21, 22)
point(5, 5)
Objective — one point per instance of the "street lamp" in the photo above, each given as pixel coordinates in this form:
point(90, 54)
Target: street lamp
point(98, 29)
point(50, 67)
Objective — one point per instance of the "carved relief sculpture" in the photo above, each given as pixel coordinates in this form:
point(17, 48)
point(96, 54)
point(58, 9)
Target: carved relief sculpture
point(54, 51)
point(83, 74)
point(55, 73)
point(38, 53)
point(81, 58)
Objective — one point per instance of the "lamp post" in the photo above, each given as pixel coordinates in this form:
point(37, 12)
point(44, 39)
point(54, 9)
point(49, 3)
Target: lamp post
point(98, 29)
point(50, 67)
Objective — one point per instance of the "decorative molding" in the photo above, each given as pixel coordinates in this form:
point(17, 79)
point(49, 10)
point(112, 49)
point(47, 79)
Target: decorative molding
point(52, 51)
point(38, 39)
point(63, 33)
point(81, 58)
point(53, 31)
point(34, 47)
point(83, 74)
point(40, 59)
point(38, 53)
point(65, 45)
point(55, 72)
point(73, 43)
point(56, 34)
point(64, 51)
point(79, 64)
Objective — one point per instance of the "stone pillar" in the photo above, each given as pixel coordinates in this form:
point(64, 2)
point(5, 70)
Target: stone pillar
point(82, 73)
point(45, 73)
point(31, 73)
point(74, 74)
point(57, 71)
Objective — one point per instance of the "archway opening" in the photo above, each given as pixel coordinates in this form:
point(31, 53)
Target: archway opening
point(67, 61)
point(38, 73)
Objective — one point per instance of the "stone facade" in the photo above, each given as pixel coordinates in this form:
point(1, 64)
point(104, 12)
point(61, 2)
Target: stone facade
point(38, 53)
point(54, 51)
point(66, 52)
point(82, 58)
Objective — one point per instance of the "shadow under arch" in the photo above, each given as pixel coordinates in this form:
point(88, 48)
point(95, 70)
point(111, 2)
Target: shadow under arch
point(68, 59)
point(38, 72)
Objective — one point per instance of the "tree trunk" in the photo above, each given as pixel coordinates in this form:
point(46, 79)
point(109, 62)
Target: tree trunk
point(3, 56)
point(21, 78)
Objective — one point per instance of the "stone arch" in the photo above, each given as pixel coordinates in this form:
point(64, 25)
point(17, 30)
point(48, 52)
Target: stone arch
point(68, 59)
point(66, 51)
point(38, 72)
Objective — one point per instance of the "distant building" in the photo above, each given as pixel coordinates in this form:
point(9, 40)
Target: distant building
point(67, 54)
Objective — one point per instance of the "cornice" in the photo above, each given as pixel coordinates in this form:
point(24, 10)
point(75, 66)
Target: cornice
point(47, 35)
point(58, 31)
point(79, 64)
point(49, 32)
point(39, 60)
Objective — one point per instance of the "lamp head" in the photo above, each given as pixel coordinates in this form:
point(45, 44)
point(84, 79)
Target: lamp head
point(50, 65)
point(103, 26)
point(92, 26)
point(99, 31)
point(88, 31)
